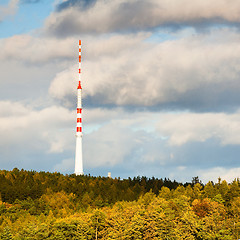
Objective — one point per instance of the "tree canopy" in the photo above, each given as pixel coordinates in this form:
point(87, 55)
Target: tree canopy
point(43, 205)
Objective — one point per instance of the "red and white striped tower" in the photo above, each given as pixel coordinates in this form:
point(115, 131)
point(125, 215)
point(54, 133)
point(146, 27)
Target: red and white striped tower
point(78, 155)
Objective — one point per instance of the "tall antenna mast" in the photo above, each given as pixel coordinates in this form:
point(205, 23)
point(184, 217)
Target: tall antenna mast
point(78, 155)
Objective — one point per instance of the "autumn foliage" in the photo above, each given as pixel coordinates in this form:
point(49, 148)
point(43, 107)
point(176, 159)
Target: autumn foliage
point(39, 205)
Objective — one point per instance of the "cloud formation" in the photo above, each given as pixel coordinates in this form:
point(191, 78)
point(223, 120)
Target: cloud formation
point(113, 15)
point(8, 10)
point(29, 49)
point(182, 128)
point(18, 125)
point(196, 72)
point(160, 97)
point(181, 146)
point(199, 72)
point(126, 143)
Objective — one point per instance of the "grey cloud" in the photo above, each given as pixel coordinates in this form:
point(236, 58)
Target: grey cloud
point(182, 141)
point(82, 4)
point(126, 153)
point(116, 144)
point(29, 1)
point(38, 140)
point(113, 15)
point(121, 144)
point(27, 82)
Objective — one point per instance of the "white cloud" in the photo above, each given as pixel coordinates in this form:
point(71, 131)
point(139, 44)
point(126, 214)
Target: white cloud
point(8, 10)
point(26, 48)
point(65, 165)
point(12, 109)
point(181, 128)
point(44, 129)
point(64, 84)
point(116, 144)
point(109, 145)
point(50, 131)
point(228, 174)
point(194, 72)
point(185, 174)
point(121, 139)
point(191, 73)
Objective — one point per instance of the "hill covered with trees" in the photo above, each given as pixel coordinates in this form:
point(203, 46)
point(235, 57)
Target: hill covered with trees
point(42, 205)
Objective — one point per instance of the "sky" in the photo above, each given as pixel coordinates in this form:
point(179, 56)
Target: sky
point(160, 78)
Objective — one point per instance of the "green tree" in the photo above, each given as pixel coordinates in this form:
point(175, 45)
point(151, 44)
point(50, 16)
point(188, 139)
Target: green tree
point(6, 235)
point(209, 190)
point(165, 193)
point(98, 222)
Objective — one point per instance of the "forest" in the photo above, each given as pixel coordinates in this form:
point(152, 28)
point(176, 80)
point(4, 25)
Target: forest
point(43, 205)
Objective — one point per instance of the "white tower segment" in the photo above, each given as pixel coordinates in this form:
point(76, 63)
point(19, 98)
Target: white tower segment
point(78, 154)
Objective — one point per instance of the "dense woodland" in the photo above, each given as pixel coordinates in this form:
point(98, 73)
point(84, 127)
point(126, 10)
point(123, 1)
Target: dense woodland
point(42, 205)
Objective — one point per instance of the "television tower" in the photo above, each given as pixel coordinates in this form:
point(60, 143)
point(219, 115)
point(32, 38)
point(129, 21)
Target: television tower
point(78, 154)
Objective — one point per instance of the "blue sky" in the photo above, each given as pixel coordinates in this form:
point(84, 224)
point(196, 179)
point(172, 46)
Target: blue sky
point(29, 16)
point(160, 87)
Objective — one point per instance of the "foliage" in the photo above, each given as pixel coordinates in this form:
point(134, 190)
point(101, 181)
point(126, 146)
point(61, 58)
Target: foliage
point(85, 207)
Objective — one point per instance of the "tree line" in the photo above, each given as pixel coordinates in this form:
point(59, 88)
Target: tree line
point(42, 205)
point(22, 184)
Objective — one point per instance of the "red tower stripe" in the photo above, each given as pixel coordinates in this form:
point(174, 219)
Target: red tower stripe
point(79, 110)
point(79, 85)
point(79, 58)
point(80, 42)
point(80, 50)
point(79, 70)
point(79, 129)
point(79, 120)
